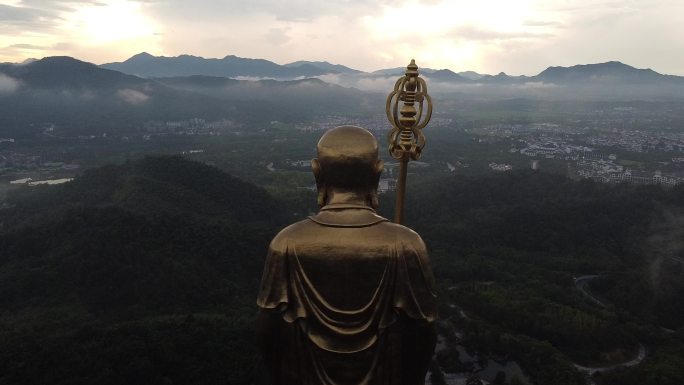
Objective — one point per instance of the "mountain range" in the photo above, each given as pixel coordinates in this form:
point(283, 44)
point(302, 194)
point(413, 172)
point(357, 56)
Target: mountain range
point(143, 68)
point(76, 96)
point(146, 65)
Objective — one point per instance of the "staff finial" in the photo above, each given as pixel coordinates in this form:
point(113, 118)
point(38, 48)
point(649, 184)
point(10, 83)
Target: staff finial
point(406, 139)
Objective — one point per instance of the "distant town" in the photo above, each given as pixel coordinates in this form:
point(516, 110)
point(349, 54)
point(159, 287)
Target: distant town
point(615, 152)
point(588, 155)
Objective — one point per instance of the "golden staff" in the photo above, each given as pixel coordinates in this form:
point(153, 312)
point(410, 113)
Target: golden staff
point(406, 139)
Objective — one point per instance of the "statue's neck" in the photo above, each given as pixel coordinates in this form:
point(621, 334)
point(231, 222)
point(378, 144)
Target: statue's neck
point(347, 197)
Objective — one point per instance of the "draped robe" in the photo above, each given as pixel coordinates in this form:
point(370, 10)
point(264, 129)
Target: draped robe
point(350, 294)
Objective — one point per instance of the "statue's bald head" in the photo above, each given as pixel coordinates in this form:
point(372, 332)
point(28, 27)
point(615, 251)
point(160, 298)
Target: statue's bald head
point(348, 158)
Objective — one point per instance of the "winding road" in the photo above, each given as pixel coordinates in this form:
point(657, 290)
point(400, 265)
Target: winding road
point(637, 360)
point(581, 283)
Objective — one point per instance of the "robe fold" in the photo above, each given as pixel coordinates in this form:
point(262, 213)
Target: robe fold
point(346, 283)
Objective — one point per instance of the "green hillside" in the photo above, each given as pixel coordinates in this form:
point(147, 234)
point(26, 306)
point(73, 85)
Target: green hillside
point(507, 247)
point(142, 273)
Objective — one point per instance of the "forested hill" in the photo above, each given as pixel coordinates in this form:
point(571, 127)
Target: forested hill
point(627, 233)
point(506, 249)
point(537, 212)
point(168, 185)
point(140, 273)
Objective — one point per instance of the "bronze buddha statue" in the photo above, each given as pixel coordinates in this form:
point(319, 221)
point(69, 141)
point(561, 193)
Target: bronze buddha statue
point(347, 297)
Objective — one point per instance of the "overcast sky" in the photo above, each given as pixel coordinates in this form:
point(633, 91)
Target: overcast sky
point(489, 36)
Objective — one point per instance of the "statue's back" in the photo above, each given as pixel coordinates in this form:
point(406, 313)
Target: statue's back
point(347, 297)
point(353, 291)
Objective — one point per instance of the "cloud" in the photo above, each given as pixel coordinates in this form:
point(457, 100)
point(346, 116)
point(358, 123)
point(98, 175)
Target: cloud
point(542, 23)
point(474, 33)
point(383, 84)
point(10, 13)
point(87, 95)
point(370, 83)
point(28, 47)
point(293, 11)
point(331, 78)
point(63, 46)
point(277, 36)
point(300, 11)
point(304, 85)
point(133, 97)
point(16, 21)
point(59, 5)
point(8, 85)
point(253, 78)
point(536, 85)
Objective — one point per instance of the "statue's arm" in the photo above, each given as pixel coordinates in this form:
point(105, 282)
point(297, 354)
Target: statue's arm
point(273, 288)
point(269, 319)
point(267, 327)
point(415, 292)
point(421, 333)
point(418, 347)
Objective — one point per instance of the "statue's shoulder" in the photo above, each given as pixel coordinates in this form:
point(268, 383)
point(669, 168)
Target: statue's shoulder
point(404, 235)
point(292, 232)
point(310, 231)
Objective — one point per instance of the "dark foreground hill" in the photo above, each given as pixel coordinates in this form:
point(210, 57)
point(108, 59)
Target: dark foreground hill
point(143, 273)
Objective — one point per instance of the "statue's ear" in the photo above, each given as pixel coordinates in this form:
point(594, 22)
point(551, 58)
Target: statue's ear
point(379, 166)
point(322, 194)
point(316, 168)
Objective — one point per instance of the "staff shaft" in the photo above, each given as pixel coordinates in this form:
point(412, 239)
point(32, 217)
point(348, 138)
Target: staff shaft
point(401, 190)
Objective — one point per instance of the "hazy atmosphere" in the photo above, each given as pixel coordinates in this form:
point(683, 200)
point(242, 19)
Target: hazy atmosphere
point(488, 36)
point(152, 150)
